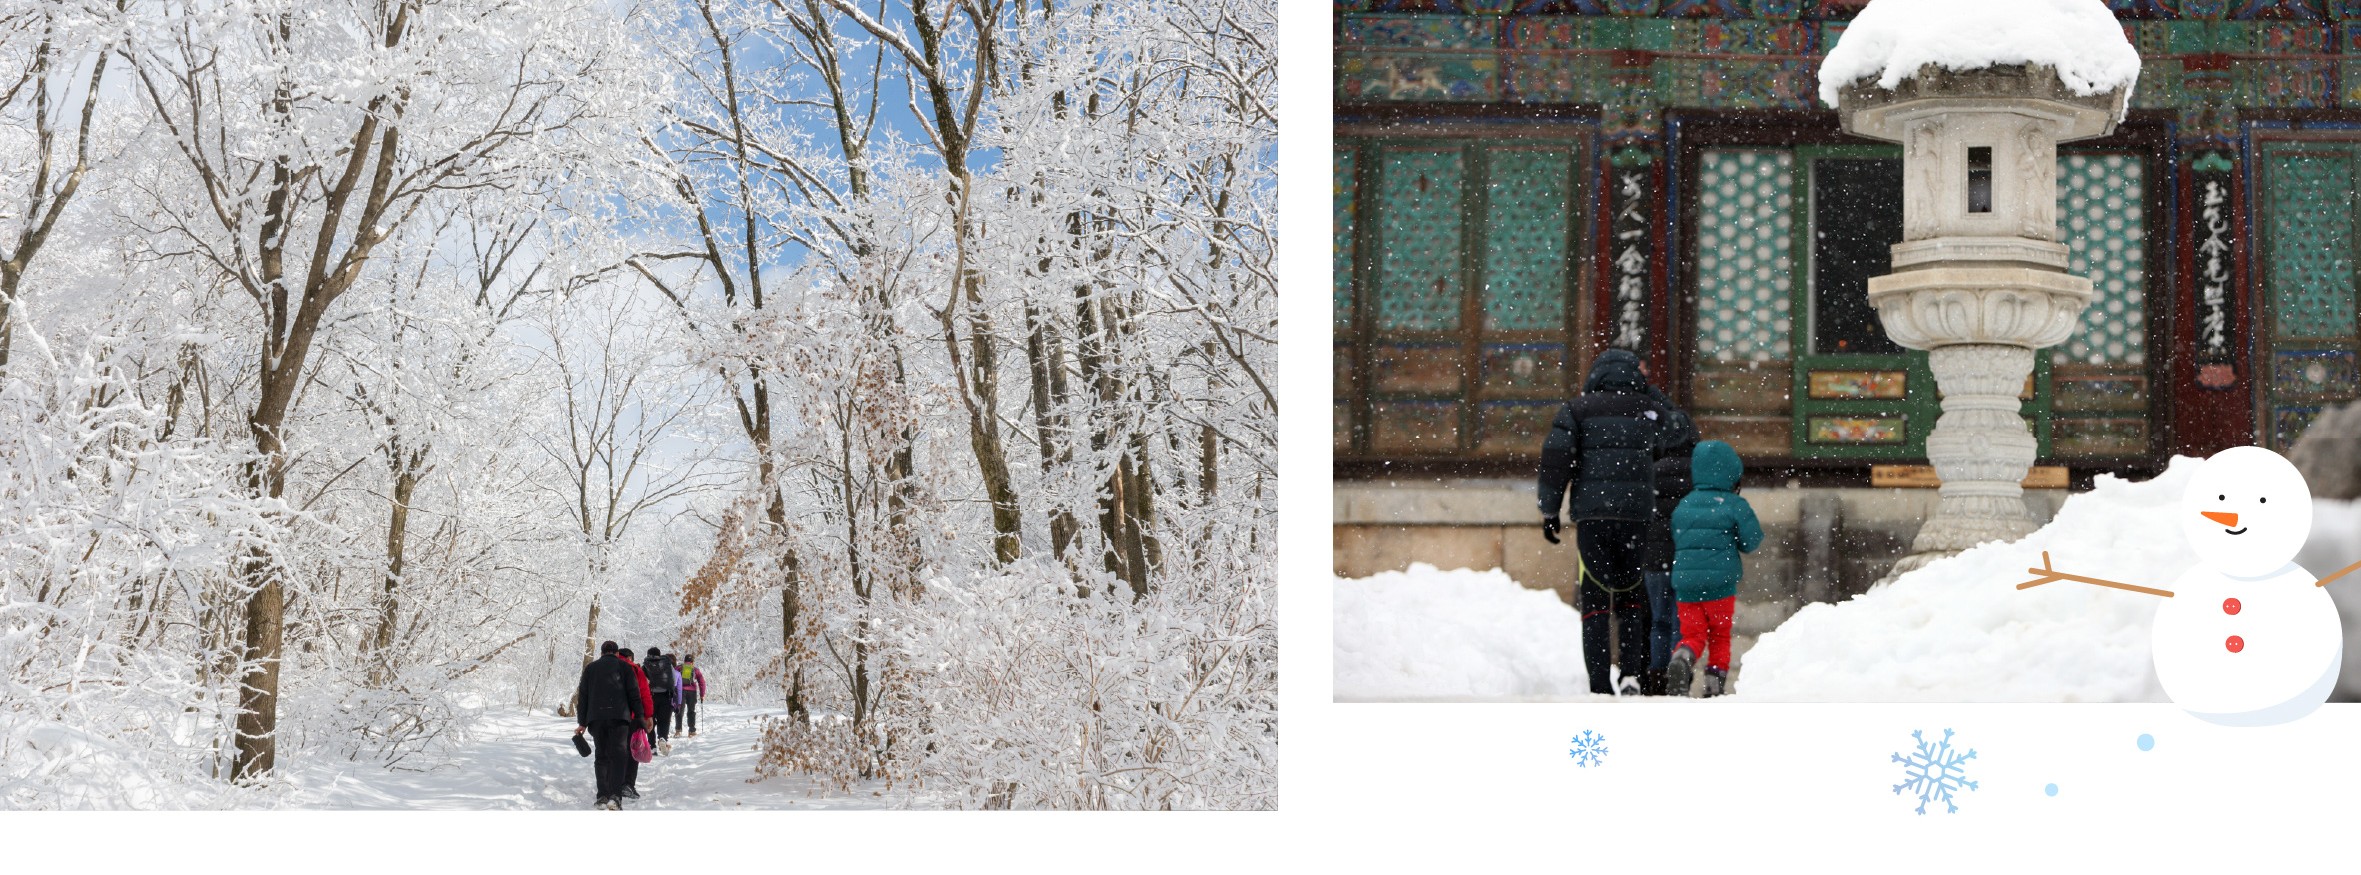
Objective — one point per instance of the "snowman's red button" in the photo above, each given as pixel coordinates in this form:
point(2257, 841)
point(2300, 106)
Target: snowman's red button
point(2230, 606)
point(2235, 644)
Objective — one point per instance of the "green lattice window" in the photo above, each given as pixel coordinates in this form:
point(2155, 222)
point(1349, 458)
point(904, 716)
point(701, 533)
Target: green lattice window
point(1745, 202)
point(1419, 204)
point(1530, 206)
point(1456, 260)
point(2101, 209)
point(2098, 383)
point(1340, 265)
point(1743, 270)
point(2312, 244)
point(2308, 352)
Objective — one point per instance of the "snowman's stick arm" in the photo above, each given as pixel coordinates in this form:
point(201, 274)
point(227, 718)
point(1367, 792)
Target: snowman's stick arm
point(2339, 573)
point(2045, 574)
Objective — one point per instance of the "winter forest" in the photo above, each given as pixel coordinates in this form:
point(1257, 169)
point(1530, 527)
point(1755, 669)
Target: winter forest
point(364, 363)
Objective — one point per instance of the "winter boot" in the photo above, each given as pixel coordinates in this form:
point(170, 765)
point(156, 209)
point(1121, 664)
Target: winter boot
point(1652, 682)
point(1716, 681)
point(1676, 671)
point(1629, 687)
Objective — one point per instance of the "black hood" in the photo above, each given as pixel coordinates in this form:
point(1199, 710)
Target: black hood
point(1616, 370)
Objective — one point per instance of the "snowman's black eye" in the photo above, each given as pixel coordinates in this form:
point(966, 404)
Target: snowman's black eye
point(2221, 498)
point(2265, 500)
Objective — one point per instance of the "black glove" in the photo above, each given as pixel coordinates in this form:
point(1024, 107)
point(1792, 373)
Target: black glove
point(1549, 529)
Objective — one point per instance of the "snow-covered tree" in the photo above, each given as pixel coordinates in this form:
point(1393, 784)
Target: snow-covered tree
point(908, 361)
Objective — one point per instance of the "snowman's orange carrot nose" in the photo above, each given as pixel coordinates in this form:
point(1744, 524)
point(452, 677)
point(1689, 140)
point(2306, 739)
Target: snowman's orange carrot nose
point(2227, 519)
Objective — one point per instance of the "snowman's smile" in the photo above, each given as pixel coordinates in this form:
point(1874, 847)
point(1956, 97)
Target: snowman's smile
point(2237, 531)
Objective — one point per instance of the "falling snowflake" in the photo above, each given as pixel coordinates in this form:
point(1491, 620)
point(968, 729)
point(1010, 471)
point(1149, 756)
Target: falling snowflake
point(1589, 749)
point(1934, 771)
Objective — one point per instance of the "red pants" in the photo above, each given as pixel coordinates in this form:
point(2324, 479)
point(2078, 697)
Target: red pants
point(1707, 624)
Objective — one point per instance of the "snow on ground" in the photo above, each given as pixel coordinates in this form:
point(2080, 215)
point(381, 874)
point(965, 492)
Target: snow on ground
point(1960, 630)
point(1429, 633)
point(1956, 630)
point(1891, 39)
point(45, 764)
point(519, 760)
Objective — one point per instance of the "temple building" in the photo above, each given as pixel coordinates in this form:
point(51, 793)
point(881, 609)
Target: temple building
point(1519, 184)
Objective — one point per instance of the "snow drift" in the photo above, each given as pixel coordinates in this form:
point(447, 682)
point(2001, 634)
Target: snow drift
point(1960, 630)
point(1429, 633)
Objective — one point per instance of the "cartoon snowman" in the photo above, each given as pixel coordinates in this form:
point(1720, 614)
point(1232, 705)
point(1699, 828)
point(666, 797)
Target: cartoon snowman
point(2245, 637)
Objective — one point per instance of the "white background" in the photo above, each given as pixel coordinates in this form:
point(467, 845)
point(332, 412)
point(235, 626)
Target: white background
point(1693, 788)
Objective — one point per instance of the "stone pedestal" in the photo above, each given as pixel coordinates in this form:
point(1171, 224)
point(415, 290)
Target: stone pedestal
point(1981, 448)
point(1979, 280)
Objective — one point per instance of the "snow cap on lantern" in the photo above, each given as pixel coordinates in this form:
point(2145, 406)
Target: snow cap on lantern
point(2080, 41)
point(1979, 95)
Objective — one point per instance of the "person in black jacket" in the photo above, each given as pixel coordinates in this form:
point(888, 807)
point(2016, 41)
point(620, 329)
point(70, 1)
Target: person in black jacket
point(1599, 461)
point(1664, 619)
point(608, 706)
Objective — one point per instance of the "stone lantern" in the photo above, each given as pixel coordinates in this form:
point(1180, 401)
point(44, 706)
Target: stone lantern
point(1979, 278)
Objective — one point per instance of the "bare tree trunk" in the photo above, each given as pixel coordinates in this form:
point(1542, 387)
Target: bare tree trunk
point(397, 531)
point(258, 688)
point(589, 655)
point(979, 386)
point(1143, 501)
point(1135, 539)
point(848, 492)
point(1049, 397)
point(1208, 464)
point(1121, 503)
point(790, 612)
point(1208, 442)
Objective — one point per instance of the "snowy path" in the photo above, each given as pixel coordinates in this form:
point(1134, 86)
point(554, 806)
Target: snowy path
point(525, 761)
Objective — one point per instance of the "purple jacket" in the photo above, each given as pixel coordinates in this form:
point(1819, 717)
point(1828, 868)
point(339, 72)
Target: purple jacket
point(692, 680)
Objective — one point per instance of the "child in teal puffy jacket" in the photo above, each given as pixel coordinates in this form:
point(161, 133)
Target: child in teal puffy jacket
point(1709, 529)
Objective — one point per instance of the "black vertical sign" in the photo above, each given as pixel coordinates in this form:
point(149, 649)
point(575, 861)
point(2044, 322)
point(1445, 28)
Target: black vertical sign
point(1630, 249)
point(2216, 241)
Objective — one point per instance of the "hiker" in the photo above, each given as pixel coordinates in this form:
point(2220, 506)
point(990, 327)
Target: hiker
point(663, 681)
point(1664, 619)
point(692, 688)
point(1602, 449)
point(647, 708)
point(608, 706)
point(1709, 529)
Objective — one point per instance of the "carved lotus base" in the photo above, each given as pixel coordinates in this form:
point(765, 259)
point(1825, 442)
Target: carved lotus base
point(1940, 306)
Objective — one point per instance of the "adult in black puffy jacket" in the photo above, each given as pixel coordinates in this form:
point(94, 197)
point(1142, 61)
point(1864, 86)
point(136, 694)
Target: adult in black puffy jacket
point(607, 706)
point(1599, 462)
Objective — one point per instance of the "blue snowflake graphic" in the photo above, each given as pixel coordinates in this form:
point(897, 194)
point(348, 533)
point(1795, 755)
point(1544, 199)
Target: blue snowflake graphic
point(1590, 748)
point(1935, 771)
